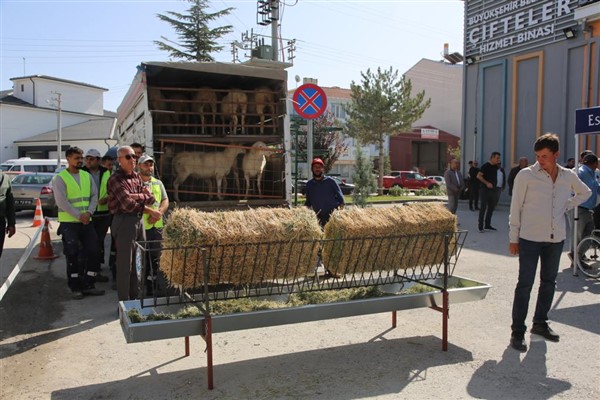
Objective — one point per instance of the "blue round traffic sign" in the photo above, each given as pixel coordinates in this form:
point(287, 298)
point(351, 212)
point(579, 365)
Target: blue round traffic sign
point(310, 101)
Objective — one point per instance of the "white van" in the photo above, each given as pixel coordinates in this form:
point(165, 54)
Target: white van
point(27, 164)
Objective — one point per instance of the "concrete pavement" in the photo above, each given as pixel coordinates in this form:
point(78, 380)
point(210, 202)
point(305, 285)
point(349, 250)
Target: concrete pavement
point(53, 347)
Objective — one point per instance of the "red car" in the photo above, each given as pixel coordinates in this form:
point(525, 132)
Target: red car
point(408, 180)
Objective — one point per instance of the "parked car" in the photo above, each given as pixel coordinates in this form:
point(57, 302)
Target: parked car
point(28, 187)
point(439, 179)
point(26, 164)
point(409, 180)
point(300, 186)
point(347, 188)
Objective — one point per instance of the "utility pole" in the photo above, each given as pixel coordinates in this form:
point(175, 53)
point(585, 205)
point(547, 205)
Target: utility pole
point(267, 13)
point(58, 100)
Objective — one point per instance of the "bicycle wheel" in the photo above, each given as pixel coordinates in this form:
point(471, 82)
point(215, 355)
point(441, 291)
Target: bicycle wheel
point(588, 256)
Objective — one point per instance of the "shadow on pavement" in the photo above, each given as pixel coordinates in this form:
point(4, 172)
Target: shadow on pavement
point(361, 370)
point(513, 378)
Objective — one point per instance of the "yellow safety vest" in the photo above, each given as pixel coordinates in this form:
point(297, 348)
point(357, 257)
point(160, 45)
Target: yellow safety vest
point(103, 190)
point(157, 193)
point(78, 196)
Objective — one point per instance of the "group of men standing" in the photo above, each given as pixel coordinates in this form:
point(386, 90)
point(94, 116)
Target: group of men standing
point(130, 200)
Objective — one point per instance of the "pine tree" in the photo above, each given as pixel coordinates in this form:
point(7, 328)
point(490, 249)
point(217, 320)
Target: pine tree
point(196, 40)
point(364, 182)
point(382, 105)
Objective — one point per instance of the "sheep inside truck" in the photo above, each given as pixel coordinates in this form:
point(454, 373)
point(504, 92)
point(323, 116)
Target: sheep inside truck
point(256, 268)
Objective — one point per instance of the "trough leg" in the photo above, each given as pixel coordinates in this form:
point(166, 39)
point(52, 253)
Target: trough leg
point(187, 346)
point(394, 319)
point(445, 316)
point(209, 354)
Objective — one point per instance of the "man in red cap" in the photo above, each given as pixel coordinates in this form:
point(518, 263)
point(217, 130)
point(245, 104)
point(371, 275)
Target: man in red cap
point(323, 194)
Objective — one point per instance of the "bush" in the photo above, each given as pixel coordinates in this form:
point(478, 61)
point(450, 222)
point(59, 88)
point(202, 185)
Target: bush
point(397, 191)
point(436, 191)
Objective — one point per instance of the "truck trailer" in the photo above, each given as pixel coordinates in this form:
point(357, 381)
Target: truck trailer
point(219, 132)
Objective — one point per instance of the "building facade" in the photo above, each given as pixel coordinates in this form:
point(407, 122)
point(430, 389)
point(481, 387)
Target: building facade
point(29, 117)
point(528, 66)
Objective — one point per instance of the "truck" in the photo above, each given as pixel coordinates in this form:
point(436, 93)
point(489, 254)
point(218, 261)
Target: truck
point(408, 180)
point(219, 132)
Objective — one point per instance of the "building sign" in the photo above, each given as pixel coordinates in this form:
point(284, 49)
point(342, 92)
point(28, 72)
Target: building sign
point(430, 133)
point(587, 120)
point(500, 27)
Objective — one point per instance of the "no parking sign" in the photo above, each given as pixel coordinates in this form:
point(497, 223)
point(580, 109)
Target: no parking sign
point(310, 101)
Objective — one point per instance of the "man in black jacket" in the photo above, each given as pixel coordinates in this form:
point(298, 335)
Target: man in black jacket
point(7, 209)
point(523, 163)
point(490, 191)
point(473, 186)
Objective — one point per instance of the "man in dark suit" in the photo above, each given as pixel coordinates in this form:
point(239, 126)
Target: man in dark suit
point(523, 163)
point(473, 186)
point(454, 184)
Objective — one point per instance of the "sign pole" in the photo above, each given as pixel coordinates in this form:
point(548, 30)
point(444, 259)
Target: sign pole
point(309, 147)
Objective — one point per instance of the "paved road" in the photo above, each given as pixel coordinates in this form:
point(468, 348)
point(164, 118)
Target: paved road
point(52, 347)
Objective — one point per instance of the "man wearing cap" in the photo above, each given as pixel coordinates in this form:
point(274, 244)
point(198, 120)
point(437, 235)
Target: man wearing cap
point(7, 210)
point(128, 200)
point(153, 225)
point(323, 194)
point(76, 196)
point(101, 219)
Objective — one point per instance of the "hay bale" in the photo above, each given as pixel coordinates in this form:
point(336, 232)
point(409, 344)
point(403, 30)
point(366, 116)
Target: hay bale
point(386, 239)
point(244, 247)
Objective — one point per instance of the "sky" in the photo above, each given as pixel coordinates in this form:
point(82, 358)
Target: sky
point(100, 42)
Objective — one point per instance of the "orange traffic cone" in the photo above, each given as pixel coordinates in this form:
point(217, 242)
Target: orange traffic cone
point(46, 251)
point(38, 218)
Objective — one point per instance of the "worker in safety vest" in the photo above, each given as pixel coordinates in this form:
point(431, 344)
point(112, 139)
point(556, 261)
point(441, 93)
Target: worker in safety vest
point(102, 218)
point(153, 226)
point(76, 196)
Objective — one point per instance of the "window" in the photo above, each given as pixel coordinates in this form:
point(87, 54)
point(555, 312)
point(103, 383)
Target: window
point(22, 87)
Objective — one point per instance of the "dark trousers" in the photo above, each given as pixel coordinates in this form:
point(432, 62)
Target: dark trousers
point(101, 224)
point(473, 196)
point(529, 254)
point(82, 267)
point(126, 230)
point(3, 234)
point(488, 198)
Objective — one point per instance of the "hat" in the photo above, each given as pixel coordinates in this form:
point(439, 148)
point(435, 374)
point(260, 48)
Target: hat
point(93, 153)
point(144, 158)
point(317, 161)
point(590, 159)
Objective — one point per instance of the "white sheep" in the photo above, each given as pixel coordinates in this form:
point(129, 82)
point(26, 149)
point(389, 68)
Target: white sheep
point(264, 100)
point(214, 165)
point(204, 100)
point(253, 165)
point(233, 103)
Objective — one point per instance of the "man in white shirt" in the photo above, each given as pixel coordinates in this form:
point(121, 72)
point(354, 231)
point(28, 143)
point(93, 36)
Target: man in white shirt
point(541, 195)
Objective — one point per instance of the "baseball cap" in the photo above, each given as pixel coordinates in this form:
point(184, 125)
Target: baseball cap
point(144, 158)
point(317, 161)
point(93, 153)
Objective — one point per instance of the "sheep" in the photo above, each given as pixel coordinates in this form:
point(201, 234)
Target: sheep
point(253, 165)
point(214, 165)
point(264, 99)
point(233, 103)
point(204, 99)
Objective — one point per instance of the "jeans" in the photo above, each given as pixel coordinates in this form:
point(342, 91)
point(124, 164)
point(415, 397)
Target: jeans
point(529, 254)
point(82, 267)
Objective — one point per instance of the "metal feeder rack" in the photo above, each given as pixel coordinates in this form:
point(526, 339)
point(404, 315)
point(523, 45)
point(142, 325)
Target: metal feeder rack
point(391, 264)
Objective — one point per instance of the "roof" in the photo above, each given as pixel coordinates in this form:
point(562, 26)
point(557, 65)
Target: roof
point(93, 129)
point(154, 68)
point(6, 97)
point(52, 78)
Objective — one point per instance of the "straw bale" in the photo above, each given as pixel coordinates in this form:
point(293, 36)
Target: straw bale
point(243, 247)
point(386, 239)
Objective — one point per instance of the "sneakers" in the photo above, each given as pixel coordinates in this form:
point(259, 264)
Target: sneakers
point(517, 342)
point(491, 228)
point(92, 291)
point(544, 330)
point(481, 230)
point(77, 295)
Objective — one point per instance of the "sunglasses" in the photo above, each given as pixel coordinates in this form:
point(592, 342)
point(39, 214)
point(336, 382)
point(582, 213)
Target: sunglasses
point(130, 156)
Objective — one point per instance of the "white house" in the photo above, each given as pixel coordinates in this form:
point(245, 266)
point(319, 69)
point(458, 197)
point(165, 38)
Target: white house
point(29, 117)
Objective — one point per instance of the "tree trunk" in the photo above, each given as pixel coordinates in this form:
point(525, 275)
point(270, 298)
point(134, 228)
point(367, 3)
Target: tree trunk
point(380, 168)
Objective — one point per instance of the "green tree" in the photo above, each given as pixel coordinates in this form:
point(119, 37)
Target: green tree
point(364, 183)
point(455, 152)
point(196, 39)
point(382, 105)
